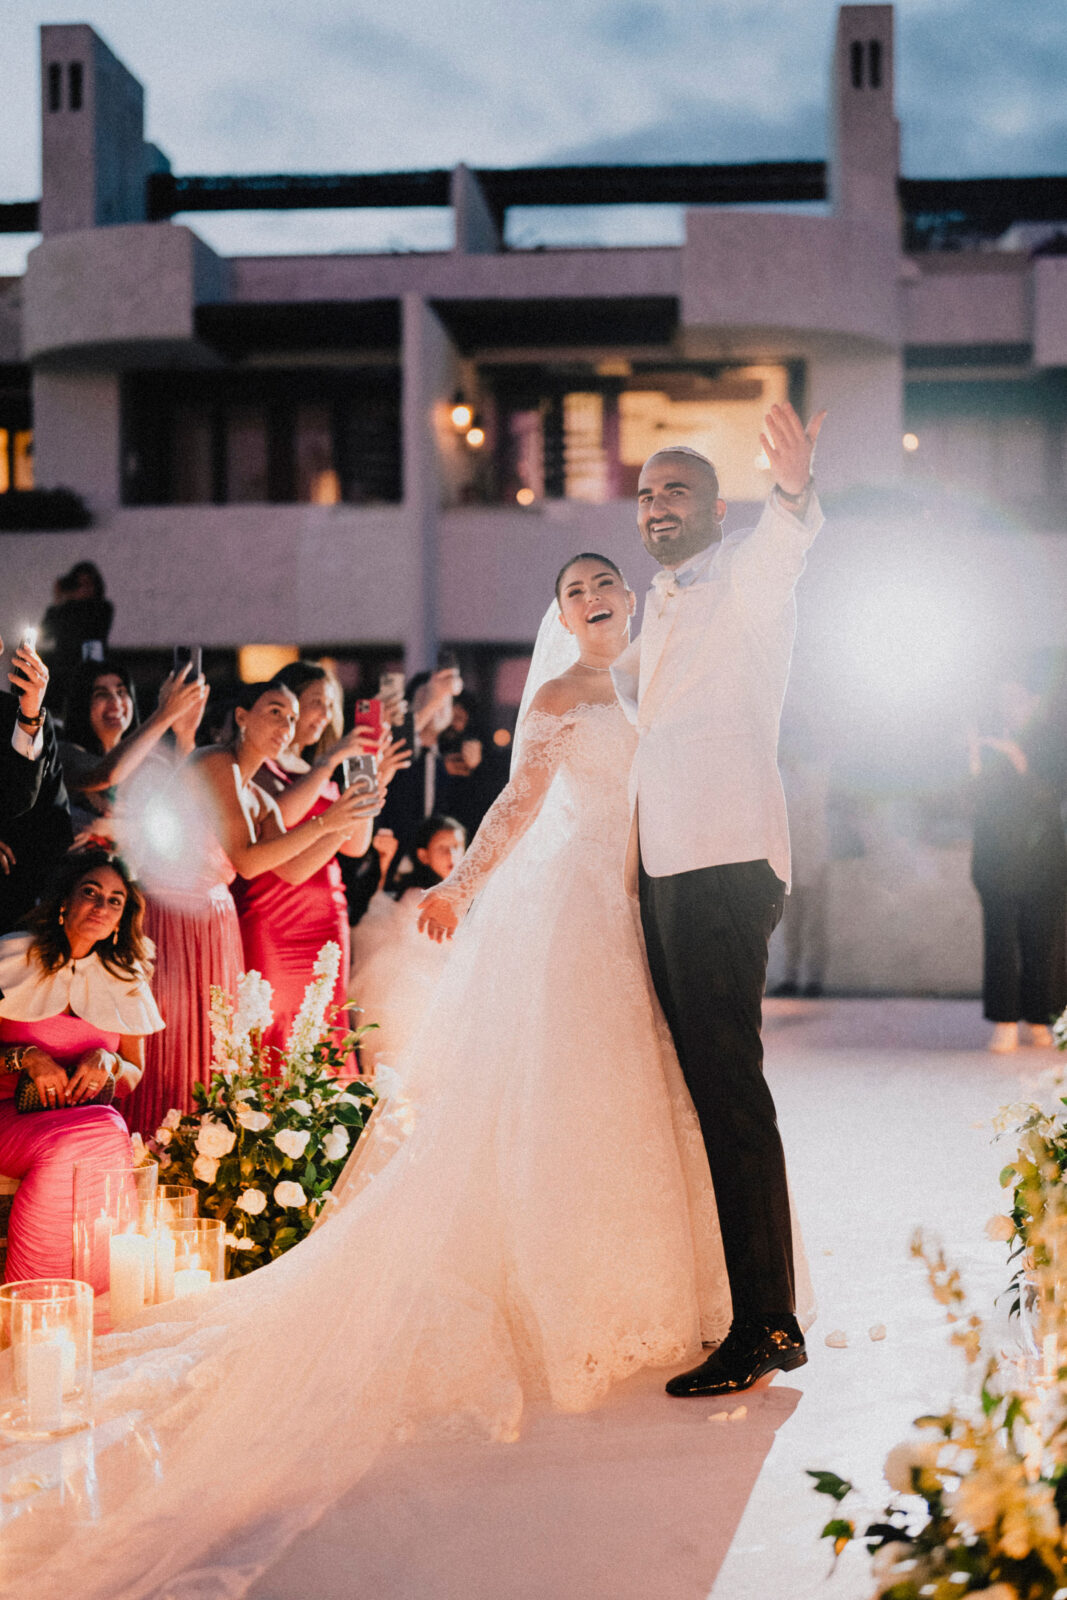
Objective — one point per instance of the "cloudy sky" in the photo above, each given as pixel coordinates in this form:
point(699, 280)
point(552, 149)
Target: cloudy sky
point(341, 85)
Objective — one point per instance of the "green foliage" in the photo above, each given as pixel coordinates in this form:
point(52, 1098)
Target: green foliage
point(307, 1100)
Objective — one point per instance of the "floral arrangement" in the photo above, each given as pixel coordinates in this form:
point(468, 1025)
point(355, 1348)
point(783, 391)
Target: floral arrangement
point(272, 1130)
point(986, 1479)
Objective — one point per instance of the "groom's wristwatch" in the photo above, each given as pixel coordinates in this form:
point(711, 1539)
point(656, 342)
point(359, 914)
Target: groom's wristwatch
point(795, 499)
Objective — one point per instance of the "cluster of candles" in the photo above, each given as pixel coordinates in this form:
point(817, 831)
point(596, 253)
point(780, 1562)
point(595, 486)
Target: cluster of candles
point(143, 1241)
point(166, 1253)
point(49, 1324)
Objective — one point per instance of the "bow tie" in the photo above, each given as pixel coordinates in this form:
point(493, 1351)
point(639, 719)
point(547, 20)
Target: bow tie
point(666, 583)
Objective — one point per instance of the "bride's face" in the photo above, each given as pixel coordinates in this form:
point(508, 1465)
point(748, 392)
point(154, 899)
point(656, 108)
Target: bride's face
point(595, 605)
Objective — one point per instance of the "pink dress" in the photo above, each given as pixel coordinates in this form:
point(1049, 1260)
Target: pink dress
point(284, 926)
point(41, 1149)
point(198, 943)
point(80, 1007)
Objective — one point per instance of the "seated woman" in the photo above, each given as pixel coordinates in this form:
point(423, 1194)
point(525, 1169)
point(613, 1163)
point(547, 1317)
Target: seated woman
point(253, 833)
point(75, 1010)
point(394, 967)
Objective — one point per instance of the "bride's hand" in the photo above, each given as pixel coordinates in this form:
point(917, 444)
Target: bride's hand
point(437, 917)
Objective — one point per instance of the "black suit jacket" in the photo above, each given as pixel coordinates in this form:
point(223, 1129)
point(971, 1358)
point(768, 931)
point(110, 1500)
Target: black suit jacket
point(34, 817)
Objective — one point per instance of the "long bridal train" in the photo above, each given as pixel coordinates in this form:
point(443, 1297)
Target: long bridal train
point(517, 1227)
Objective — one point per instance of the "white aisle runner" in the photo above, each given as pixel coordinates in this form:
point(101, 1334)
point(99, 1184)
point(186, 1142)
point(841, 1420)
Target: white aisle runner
point(657, 1499)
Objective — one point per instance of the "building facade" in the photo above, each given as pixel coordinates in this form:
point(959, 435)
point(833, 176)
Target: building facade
point(401, 449)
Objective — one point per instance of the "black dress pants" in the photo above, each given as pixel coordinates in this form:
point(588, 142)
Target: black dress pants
point(706, 933)
point(1024, 969)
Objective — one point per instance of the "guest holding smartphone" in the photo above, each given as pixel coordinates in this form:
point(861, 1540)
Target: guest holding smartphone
point(282, 829)
point(35, 828)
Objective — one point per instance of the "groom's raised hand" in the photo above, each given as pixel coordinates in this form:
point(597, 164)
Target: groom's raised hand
point(790, 447)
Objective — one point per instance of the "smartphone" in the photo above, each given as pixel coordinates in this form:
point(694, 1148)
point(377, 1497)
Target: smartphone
point(359, 773)
point(369, 716)
point(92, 649)
point(191, 653)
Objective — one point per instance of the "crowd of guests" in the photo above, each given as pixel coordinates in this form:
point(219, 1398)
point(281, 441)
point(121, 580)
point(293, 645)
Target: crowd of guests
point(144, 860)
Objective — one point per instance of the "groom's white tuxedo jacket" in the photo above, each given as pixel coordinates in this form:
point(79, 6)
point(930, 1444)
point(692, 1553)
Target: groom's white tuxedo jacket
point(704, 685)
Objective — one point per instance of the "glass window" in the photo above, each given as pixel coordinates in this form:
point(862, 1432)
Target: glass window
point(247, 476)
point(55, 86)
point(719, 415)
point(5, 464)
point(317, 480)
point(191, 456)
point(585, 468)
point(75, 79)
point(22, 459)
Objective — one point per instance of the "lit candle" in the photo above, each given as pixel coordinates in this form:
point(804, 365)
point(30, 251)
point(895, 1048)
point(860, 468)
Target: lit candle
point(127, 1258)
point(165, 1256)
point(44, 1384)
point(1050, 1357)
point(191, 1280)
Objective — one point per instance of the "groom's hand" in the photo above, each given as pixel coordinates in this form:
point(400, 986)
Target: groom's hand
point(437, 917)
point(790, 447)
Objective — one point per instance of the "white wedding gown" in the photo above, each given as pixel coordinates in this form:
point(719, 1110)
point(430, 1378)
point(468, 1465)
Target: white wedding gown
point(528, 1220)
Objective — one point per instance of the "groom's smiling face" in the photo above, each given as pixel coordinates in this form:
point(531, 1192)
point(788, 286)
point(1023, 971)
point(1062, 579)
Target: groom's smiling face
point(679, 512)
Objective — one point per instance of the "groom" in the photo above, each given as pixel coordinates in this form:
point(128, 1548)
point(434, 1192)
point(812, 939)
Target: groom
point(704, 686)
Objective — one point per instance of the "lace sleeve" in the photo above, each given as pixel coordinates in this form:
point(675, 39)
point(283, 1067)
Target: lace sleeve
point(543, 743)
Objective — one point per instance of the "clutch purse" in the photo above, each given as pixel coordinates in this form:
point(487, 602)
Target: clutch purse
point(27, 1098)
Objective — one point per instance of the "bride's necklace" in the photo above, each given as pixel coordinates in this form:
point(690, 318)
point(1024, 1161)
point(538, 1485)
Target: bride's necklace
point(589, 666)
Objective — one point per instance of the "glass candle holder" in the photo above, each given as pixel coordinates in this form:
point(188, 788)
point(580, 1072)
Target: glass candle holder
point(114, 1221)
point(174, 1201)
point(199, 1254)
point(46, 1325)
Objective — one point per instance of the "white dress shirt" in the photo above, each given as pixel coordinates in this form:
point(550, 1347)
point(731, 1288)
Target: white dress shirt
point(704, 686)
point(26, 744)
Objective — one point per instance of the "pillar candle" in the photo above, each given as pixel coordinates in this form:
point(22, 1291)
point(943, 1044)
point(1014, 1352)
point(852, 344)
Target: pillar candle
point(192, 1280)
point(44, 1384)
point(164, 1267)
point(127, 1276)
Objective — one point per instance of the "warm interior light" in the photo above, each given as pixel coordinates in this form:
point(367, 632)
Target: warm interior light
point(462, 415)
point(502, 738)
point(476, 437)
point(257, 663)
point(910, 441)
point(525, 497)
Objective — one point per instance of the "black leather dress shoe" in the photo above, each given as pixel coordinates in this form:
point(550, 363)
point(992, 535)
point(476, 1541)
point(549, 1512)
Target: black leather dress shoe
point(749, 1351)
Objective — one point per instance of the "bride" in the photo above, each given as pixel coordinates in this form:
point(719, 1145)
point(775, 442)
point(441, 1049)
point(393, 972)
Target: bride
point(528, 1220)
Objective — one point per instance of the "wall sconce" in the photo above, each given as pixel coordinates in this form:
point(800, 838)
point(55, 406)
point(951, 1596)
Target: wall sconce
point(462, 414)
point(475, 434)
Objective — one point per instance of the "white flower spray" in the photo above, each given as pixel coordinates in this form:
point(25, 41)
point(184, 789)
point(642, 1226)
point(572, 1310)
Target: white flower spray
point(309, 1025)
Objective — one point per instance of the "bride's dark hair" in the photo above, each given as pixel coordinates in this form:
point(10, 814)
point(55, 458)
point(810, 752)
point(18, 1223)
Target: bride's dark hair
point(588, 555)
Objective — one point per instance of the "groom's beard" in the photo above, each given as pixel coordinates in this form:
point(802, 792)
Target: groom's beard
point(674, 550)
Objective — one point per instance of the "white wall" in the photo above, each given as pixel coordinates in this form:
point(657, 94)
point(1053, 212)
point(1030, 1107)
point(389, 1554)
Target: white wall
point(76, 435)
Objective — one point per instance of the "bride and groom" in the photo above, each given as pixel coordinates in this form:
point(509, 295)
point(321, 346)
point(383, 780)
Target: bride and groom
point(691, 710)
point(579, 1172)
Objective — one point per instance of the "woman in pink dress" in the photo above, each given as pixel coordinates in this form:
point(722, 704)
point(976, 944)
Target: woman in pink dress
point(282, 933)
point(75, 1011)
point(125, 784)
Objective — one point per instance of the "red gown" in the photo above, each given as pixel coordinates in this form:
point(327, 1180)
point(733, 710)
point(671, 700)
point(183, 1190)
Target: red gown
point(284, 926)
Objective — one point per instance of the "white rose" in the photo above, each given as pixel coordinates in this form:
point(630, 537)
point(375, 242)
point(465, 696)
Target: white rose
point(1000, 1227)
point(173, 1118)
point(301, 1108)
point(253, 1201)
point(215, 1139)
point(335, 1144)
point(205, 1168)
point(163, 1136)
point(290, 1194)
point(245, 1244)
point(254, 1121)
point(292, 1142)
point(244, 1094)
